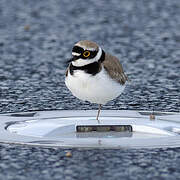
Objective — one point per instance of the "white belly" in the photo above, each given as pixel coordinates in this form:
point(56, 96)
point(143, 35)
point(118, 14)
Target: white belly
point(97, 89)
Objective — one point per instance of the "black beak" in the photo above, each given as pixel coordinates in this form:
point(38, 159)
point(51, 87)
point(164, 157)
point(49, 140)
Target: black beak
point(66, 63)
point(75, 58)
point(71, 59)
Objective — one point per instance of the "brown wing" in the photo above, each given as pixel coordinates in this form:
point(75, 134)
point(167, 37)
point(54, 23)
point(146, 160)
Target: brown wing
point(114, 69)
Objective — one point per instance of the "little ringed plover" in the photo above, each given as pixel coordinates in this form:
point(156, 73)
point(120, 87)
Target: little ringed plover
point(94, 75)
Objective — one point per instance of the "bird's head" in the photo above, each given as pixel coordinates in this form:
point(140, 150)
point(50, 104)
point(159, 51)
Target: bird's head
point(85, 52)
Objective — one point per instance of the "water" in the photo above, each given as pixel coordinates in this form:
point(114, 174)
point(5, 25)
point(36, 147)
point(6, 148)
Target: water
point(36, 38)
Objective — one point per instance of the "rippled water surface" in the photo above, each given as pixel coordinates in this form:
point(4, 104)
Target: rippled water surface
point(36, 38)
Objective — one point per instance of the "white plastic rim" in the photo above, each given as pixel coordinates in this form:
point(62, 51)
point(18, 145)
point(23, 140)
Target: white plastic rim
point(57, 129)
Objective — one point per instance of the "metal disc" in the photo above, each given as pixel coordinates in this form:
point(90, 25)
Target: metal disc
point(59, 128)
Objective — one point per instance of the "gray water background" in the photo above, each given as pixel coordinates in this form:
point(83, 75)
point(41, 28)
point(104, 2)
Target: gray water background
point(36, 38)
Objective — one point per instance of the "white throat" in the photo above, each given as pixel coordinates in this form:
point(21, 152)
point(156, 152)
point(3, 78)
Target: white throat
point(83, 62)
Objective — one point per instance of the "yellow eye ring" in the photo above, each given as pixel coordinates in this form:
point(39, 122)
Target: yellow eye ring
point(86, 53)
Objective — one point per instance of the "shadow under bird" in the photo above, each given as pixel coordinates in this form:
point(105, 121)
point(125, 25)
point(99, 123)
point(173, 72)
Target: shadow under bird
point(94, 75)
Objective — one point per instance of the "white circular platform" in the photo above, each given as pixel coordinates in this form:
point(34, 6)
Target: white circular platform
point(57, 128)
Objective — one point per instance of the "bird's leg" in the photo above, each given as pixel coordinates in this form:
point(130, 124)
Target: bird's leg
point(98, 113)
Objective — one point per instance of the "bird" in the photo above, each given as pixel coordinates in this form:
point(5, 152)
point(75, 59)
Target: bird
point(94, 75)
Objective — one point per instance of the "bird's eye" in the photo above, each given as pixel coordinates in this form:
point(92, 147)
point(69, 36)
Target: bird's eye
point(86, 53)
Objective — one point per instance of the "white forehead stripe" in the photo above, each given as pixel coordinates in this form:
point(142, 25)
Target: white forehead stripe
point(75, 54)
point(89, 49)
